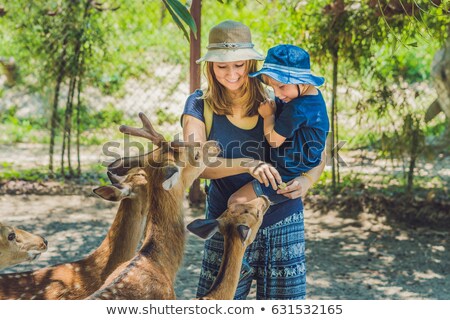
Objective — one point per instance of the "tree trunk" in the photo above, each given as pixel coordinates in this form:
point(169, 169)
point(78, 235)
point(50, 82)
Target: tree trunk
point(334, 137)
point(54, 118)
point(75, 76)
point(79, 119)
point(196, 196)
point(67, 126)
point(413, 155)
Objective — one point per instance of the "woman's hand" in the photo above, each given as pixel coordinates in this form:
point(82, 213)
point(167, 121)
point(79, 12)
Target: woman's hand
point(296, 188)
point(265, 173)
point(267, 108)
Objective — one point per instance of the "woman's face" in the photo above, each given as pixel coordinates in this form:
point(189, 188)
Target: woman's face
point(231, 75)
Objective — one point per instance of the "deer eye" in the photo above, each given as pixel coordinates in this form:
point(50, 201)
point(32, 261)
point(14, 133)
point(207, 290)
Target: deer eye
point(197, 155)
point(11, 236)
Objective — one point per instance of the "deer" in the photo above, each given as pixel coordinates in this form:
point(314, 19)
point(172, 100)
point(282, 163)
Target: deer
point(150, 274)
point(79, 279)
point(17, 246)
point(239, 225)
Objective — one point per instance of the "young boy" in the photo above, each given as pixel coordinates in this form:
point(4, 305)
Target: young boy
point(298, 128)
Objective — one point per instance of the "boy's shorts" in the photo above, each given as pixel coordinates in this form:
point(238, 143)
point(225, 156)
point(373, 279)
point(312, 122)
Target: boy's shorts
point(261, 190)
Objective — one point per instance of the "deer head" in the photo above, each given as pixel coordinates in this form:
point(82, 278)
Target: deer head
point(240, 221)
point(18, 246)
point(173, 160)
point(239, 225)
point(130, 186)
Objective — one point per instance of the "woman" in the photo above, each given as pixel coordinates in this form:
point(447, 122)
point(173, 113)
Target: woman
point(276, 259)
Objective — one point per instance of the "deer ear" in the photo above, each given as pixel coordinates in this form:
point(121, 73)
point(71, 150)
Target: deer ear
point(111, 193)
point(171, 177)
point(244, 232)
point(121, 166)
point(204, 228)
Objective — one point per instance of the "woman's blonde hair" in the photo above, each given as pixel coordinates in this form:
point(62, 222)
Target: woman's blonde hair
point(218, 97)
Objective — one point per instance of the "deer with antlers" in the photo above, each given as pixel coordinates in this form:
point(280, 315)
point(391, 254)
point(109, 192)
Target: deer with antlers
point(17, 246)
point(239, 225)
point(79, 279)
point(174, 167)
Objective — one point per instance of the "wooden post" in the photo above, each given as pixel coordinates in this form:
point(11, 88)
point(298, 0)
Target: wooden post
point(196, 196)
point(195, 46)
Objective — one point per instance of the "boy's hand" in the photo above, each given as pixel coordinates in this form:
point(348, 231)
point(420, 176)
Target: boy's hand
point(267, 108)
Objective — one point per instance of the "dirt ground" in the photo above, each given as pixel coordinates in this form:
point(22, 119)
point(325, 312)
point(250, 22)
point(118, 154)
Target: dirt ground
point(358, 257)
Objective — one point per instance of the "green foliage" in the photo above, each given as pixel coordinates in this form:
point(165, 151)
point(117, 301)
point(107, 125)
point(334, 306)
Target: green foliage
point(35, 174)
point(166, 117)
point(179, 11)
point(96, 126)
point(95, 174)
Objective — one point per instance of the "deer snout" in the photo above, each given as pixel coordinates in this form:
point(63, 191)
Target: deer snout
point(45, 243)
point(212, 148)
point(171, 177)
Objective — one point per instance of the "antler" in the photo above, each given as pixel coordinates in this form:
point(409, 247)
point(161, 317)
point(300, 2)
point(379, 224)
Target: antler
point(147, 131)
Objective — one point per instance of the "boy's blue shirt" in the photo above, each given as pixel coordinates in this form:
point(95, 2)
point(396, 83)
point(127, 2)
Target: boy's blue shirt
point(304, 123)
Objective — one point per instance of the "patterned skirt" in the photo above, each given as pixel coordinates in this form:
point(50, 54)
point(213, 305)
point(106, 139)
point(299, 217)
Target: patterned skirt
point(276, 260)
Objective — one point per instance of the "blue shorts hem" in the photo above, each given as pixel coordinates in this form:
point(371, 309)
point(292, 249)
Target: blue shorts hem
point(261, 190)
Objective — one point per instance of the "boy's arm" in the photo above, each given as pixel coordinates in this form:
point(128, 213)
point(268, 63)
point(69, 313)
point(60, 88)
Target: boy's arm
point(267, 112)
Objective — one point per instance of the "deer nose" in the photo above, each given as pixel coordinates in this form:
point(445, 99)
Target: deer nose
point(266, 202)
point(170, 171)
point(213, 147)
point(45, 241)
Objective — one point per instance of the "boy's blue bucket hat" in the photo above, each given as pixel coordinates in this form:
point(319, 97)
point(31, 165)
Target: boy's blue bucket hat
point(288, 64)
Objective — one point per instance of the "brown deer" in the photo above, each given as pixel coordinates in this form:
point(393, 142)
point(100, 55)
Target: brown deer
point(239, 225)
point(151, 273)
point(17, 246)
point(79, 279)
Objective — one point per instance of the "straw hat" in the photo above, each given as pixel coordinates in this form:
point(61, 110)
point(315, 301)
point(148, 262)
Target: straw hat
point(230, 41)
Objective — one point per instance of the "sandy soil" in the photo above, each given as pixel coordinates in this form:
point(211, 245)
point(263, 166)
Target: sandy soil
point(361, 256)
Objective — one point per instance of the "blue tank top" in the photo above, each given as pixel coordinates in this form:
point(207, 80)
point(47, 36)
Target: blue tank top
point(236, 143)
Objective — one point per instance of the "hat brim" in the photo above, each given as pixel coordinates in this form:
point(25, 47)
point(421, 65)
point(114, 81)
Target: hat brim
point(228, 55)
point(288, 78)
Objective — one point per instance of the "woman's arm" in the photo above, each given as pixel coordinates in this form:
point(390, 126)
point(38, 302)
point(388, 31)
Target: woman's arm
point(194, 130)
point(298, 187)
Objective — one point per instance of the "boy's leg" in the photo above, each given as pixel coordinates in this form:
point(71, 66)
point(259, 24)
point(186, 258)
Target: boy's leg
point(244, 194)
point(255, 189)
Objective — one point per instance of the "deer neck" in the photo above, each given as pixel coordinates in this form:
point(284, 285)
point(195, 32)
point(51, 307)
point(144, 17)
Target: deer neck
point(165, 236)
point(225, 285)
point(122, 238)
